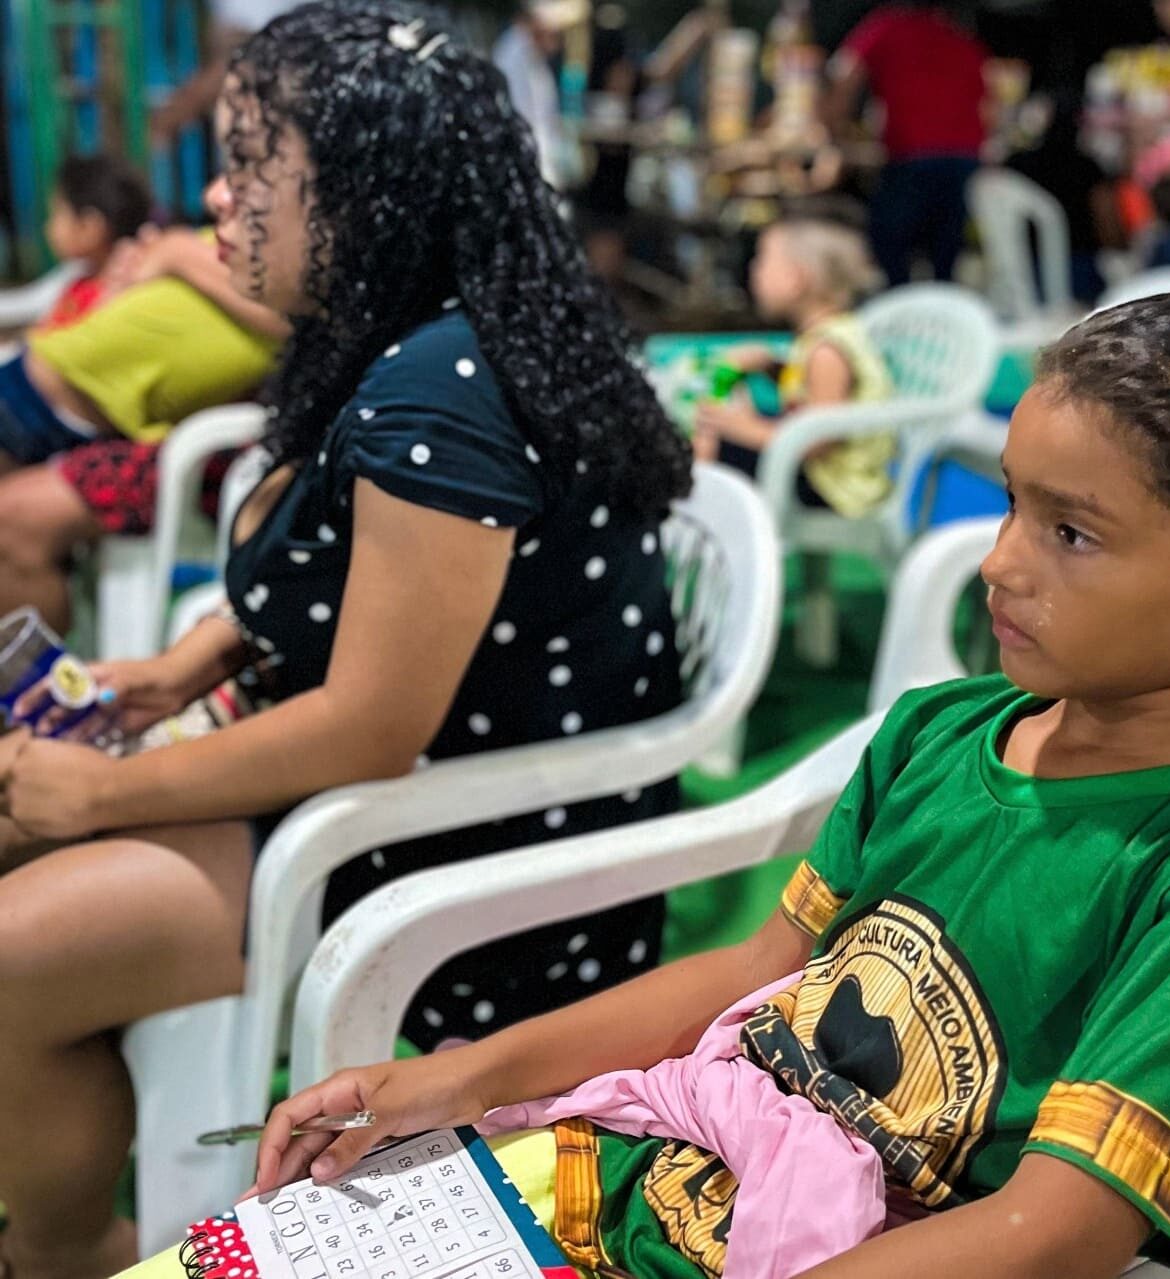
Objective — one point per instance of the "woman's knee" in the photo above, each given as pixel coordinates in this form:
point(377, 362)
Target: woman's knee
point(41, 518)
point(96, 936)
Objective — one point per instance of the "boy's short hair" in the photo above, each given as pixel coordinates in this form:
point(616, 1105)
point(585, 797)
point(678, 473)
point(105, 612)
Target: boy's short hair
point(836, 256)
point(108, 185)
point(1119, 360)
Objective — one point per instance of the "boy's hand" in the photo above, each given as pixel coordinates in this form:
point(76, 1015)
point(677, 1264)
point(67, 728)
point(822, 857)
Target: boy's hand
point(439, 1091)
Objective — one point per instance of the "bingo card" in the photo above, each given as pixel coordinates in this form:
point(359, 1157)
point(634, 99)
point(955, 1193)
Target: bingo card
point(436, 1206)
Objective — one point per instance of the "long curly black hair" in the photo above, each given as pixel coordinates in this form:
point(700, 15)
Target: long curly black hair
point(425, 185)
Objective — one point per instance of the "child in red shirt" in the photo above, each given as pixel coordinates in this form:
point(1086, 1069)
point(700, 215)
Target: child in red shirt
point(99, 204)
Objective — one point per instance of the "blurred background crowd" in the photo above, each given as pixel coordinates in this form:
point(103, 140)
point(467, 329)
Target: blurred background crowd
point(675, 133)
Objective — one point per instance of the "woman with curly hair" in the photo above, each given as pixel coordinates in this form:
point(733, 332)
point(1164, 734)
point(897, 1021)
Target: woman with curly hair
point(455, 548)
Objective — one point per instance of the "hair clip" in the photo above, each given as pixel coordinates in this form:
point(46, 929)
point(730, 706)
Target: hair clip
point(436, 42)
point(406, 35)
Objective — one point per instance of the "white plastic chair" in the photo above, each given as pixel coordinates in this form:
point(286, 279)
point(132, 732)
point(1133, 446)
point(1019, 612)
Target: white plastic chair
point(209, 1065)
point(134, 573)
point(1146, 285)
point(360, 980)
point(940, 343)
point(27, 303)
point(917, 644)
point(1009, 209)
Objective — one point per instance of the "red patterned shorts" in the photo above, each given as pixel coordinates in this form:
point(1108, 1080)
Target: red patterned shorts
point(118, 480)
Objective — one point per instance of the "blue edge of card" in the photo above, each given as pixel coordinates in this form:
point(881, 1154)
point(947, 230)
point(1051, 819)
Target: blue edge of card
point(536, 1239)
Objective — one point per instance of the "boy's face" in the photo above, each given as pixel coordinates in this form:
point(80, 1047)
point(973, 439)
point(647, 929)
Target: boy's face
point(778, 281)
point(261, 206)
point(76, 233)
point(1080, 576)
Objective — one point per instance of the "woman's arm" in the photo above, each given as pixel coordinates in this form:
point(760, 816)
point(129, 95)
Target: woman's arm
point(189, 257)
point(422, 586)
point(1051, 1221)
point(658, 1015)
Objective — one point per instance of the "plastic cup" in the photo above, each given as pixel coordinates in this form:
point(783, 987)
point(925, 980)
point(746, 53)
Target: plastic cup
point(30, 651)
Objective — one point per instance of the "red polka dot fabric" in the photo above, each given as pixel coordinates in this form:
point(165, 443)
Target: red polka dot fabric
point(216, 1249)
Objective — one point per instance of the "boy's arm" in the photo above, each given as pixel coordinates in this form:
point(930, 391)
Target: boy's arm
point(659, 1015)
point(1051, 1221)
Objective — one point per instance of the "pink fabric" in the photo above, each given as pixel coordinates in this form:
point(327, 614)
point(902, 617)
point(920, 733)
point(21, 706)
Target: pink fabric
point(808, 1190)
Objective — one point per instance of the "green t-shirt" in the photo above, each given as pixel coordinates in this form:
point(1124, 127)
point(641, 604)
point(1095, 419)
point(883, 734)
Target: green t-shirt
point(992, 967)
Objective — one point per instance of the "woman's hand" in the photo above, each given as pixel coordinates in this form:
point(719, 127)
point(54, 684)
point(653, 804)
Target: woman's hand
point(439, 1091)
point(53, 790)
point(131, 697)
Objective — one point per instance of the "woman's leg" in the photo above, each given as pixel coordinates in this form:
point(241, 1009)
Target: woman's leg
point(92, 937)
point(42, 519)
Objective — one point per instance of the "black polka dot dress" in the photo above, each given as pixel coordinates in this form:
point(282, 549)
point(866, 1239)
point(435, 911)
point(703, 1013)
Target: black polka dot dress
point(582, 639)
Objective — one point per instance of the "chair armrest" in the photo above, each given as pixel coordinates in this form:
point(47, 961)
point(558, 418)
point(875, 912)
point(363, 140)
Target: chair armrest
point(976, 441)
point(181, 459)
point(365, 970)
point(28, 303)
point(802, 431)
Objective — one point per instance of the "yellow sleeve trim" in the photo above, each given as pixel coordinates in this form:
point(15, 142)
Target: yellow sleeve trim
point(1121, 1135)
point(577, 1224)
point(809, 902)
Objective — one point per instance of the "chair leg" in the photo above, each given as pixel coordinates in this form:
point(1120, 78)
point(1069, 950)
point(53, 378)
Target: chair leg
point(817, 637)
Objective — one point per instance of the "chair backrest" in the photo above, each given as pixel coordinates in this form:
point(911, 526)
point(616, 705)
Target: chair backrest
point(1009, 210)
point(939, 341)
point(917, 644)
point(726, 595)
point(1146, 285)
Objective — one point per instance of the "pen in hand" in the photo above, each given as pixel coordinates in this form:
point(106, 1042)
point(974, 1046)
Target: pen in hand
point(324, 1123)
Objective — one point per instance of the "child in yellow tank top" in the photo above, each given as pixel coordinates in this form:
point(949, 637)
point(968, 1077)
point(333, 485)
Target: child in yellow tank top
point(811, 274)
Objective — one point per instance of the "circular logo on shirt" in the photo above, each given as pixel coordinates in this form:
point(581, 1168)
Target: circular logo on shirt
point(889, 1032)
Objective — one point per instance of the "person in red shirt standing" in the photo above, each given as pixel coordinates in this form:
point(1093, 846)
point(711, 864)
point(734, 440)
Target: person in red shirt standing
point(928, 74)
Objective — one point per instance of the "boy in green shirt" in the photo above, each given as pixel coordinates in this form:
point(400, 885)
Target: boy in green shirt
point(982, 932)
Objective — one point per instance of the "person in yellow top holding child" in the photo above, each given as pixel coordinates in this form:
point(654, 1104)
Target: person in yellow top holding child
point(810, 274)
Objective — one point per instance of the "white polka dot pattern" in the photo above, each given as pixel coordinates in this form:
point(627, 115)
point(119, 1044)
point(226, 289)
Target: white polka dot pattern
point(600, 517)
point(655, 643)
point(503, 632)
point(479, 724)
point(555, 818)
point(531, 454)
point(577, 943)
point(595, 568)
point(320, 612)
point(641, 685)
point(649, 543)
point(589, 970)
point(299, 557)
point(530, 547)
point(484, 1011)
point(558, 644)
point(571, 723)
point(559, 676)
point(631, 615)
point(465, 367)
point(326, 534)
point(420, 454)
point(392, 351)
